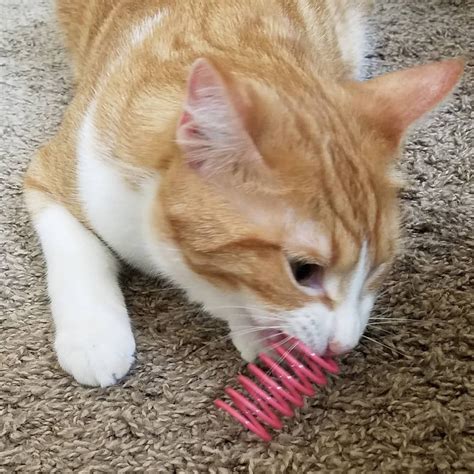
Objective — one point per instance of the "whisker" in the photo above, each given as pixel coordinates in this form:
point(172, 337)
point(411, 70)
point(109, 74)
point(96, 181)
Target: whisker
point(229, 336)
point(282, 357)
point(381, 313)
point(268, 337)
point(382, 293)
point(377, 315)
point(251, 329)
point(377, 328)
point(394, 319)
point(288, 351)
point(269, 318)
point(262, 313)
point(390, 323)
point(385, 346)
point(250, 308)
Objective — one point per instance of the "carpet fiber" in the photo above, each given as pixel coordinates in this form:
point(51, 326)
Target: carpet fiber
point(392, 410)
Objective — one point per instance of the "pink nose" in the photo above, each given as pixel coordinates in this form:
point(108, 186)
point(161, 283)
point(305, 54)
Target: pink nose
point(337, 348)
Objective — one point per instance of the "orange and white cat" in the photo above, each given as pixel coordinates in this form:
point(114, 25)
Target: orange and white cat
point(228, 146)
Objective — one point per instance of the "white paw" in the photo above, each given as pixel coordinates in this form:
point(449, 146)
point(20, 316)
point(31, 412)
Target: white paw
point(97, 351)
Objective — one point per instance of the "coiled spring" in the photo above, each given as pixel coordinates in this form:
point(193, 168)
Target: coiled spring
point(281, 393)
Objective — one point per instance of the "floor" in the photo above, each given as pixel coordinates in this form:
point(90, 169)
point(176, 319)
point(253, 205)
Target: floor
point(401, 403)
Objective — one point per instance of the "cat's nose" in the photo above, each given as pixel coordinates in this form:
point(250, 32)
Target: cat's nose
point(336, 348)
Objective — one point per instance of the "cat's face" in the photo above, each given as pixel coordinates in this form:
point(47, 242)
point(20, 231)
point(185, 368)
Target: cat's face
point(286, 203)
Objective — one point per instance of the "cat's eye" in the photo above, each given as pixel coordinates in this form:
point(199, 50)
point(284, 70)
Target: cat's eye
point(307, 274)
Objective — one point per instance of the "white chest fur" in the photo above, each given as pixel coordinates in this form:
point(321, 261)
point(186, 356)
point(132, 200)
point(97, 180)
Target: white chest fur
point(120, 214)
point(115, 209)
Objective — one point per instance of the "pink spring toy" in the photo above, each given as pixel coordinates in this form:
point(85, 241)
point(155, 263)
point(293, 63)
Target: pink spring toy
point(282, 398)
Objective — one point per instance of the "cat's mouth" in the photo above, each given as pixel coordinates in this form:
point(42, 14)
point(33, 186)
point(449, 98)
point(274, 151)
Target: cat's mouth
point(273, 337)
point(277, 338)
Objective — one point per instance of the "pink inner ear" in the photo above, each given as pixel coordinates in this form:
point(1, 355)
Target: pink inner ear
point(190, 130)
point(211, 131)
point(185, 118)
point(207, 108)
point(196, 165)
point(204, 78)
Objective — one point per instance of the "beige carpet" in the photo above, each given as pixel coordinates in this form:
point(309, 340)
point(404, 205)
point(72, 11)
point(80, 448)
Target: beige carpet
point(401, 410)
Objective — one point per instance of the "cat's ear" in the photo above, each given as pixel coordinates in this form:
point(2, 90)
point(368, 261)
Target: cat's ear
point(395, 101)
point(211, 132)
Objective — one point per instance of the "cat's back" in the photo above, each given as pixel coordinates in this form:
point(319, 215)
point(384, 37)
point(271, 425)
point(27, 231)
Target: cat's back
point(330, 32)
point(132, 58)
point(81, 21)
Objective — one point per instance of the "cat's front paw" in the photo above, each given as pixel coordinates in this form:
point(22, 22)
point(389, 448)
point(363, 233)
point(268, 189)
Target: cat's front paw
point(97, 353)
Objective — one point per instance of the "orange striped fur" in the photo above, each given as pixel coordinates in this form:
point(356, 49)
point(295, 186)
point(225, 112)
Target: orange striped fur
point(294, 162)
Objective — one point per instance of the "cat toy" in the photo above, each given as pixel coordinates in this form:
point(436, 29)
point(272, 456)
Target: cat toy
point(294, 375)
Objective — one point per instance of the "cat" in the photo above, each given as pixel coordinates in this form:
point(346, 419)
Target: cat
point(230, 147)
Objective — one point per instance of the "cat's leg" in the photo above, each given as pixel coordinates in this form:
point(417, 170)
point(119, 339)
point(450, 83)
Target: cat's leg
point(94, 340)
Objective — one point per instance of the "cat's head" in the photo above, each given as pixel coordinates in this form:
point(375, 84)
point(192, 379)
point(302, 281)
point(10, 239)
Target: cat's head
point(285, 200)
